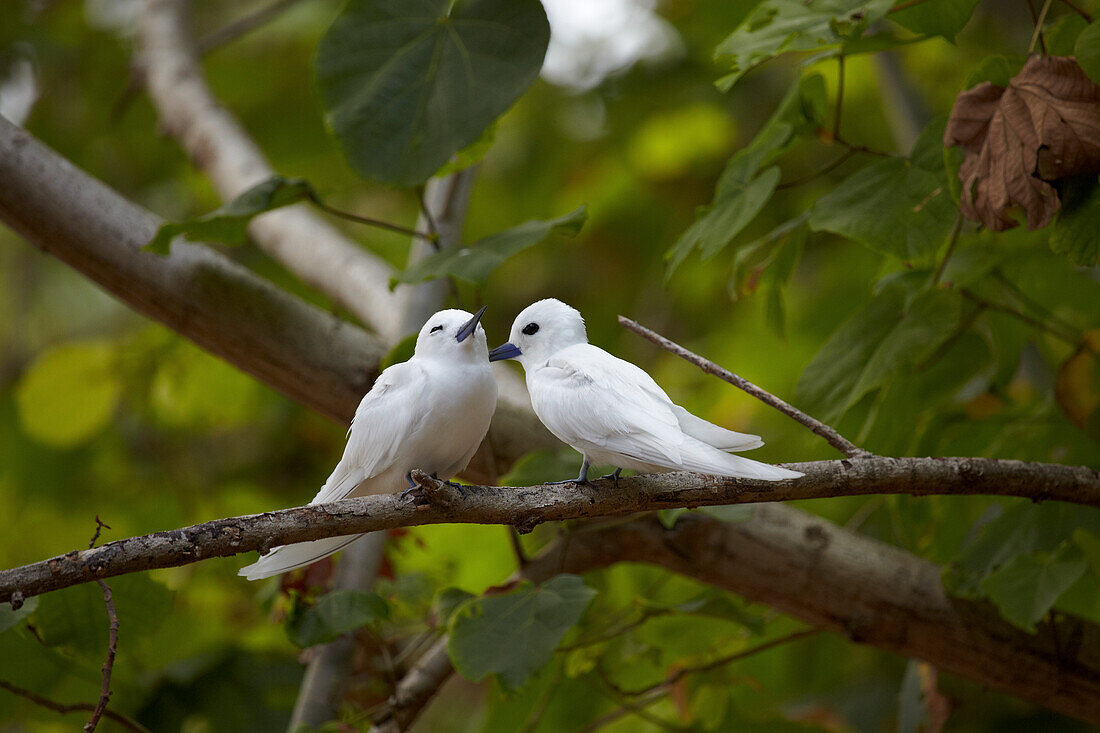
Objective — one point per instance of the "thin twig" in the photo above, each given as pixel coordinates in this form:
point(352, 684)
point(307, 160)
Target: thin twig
point(428, 218)
point(320, 204)
point(835, 439)
point(1036, 306)
point(864, 149)
point(1033, 322)
point(647, 614)
point(827, 168)
point(679, 674)
point(839, 95)
point(112, 641)
point(76, 707)
point(1038, 34)
point(242, 26)
point(1079, 11)
point(952, 240)
point(517, 548)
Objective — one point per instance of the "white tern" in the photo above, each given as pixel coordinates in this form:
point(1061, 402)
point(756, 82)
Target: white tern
point(611, 411)
point(430, 412)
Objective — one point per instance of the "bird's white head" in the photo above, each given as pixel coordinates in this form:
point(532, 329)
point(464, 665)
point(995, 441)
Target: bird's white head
point(454, 335)
point(541, 330)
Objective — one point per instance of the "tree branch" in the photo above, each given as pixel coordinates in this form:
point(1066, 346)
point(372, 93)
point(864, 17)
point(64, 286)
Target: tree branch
point(527, 507)
point(834, 438)
point(78, 707)
point(112, 643)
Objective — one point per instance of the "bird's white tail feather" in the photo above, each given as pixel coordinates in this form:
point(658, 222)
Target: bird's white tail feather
point(291, 557)
point(712, 434)
point(703, 458)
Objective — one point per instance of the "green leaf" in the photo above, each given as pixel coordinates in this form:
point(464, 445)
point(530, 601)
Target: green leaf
point(1061, 35)
point(997, 70)
point(9, 619)
point(514, 635)
point(1087, 51)
point(896, 207)
point(228, 223)
point(742, 190)
point(876, 345)
point(775, 27)
point(408, 83)
point(447, 602)
point(936, 17)
point(476, 263)
point(471, 154)
point(911, 711)
point(1075, 231)
point(69, 393)
point(336, 613)
point(1027, 586)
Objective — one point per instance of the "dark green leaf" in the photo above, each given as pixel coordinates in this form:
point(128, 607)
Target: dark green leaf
point(1087, 51)
point(1075, 232)
point(775, 27)
point(1027, 586)
point(1061, 35)
point(476, 263)
point(897, 207)
point(447, 601)
point(995, 69)
point(936, 17)
point(514, 635)
point(336, 613)
point(9, 619)
point(408, 83)
point(228, 224)
point(875, 345)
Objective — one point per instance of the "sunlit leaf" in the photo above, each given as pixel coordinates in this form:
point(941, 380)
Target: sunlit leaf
point(1078, 386)
point(228, 223)
point(476, 263)
point(335, 613)
point(408, 83)
point(515, 634)
point(69, 393)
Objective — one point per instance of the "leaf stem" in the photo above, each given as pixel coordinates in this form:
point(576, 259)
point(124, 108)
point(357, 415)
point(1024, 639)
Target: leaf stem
point(320, 204)
point(1037, 36)
point(1033, 322)
point(952, 240)
point(827, 168)
point(1079, 11)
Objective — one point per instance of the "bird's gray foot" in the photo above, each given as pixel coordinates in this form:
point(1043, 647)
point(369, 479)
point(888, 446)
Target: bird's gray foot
point(413, 486)
point(580, 480)
point(614, 476)
point(452, 484)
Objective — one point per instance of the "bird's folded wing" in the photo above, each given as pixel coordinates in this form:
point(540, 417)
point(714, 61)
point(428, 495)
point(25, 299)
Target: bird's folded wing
point(592, 398)
point(712, 434)
point(388, 415)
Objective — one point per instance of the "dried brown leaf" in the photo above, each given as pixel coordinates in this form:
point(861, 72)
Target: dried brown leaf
point(1044, 126)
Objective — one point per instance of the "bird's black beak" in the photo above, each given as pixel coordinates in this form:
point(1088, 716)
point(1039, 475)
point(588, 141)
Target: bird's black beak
point(504, 351)
point(469, 326)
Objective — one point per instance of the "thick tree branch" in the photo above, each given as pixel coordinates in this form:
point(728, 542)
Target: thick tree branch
point(305, 353)
point(527, 507)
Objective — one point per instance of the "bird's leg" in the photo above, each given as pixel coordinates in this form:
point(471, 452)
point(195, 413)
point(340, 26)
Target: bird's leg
point(614, 476)
point(452, 484)
point(581, 479)
point(413, 486)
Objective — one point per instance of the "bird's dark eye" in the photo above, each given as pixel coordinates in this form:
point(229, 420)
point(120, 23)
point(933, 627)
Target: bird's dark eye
point(437, 328)
point(531, 329)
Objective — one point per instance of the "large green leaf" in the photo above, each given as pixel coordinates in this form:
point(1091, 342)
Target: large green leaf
point(894, 206)
point(936, 17)
point(336, 613)
point(408, 83)
point(743, 190)
point(1074, 233)
point(514, 635)
point(778, 26)
point(476, 263)
point(1087, 51)
point(228, 223)
point(879, 343)
point(69, 393)
point(1027, 586)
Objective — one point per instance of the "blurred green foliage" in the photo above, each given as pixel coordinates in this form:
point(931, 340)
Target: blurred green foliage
point(822, 277)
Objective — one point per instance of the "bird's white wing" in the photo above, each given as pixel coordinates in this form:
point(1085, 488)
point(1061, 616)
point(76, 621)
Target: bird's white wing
point(390, 413)
point(586, 396)
point(712, 434)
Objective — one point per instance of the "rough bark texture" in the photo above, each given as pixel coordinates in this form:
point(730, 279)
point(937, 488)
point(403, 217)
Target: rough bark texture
point(526, 507)
point(305, 353)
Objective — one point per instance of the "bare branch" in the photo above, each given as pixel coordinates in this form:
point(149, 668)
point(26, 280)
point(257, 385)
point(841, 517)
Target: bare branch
point(527, 507)
point(243, 25)
point(112, 642)
point(79, 707)
point(834, 438)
